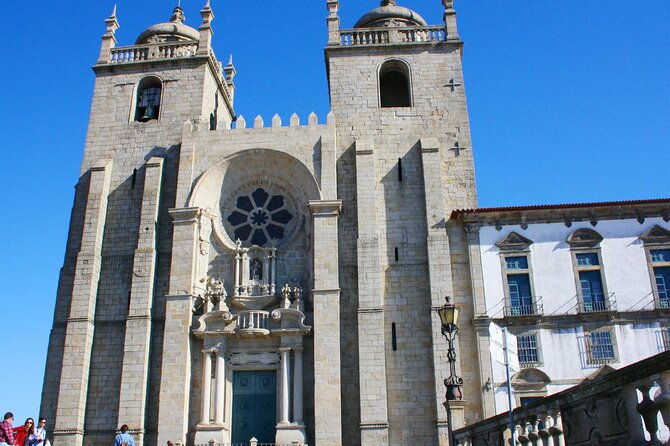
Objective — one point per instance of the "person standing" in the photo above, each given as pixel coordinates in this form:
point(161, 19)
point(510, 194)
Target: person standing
point(124, 438)
point(6, 431)
point(23, 433)
point(40, 434)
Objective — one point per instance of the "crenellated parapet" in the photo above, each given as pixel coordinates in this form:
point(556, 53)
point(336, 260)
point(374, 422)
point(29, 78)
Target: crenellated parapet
point(241, 122)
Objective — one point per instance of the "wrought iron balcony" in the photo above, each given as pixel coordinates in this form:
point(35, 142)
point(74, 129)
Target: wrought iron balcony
point(596, 302)
point(524, 306)
point(662, 303)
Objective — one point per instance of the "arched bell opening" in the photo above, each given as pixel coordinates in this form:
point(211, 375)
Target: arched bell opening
point(394, 84)
point(148, 99)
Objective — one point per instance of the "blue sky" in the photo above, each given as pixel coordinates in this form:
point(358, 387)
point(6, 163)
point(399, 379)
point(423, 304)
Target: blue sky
point(568, 101)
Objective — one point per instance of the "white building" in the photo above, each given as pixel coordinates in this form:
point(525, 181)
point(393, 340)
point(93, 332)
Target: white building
point(584, 288)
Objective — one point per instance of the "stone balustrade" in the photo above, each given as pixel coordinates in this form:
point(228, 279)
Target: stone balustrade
point(630, 406)
point(252, 320)
point(154, 51)
point(400, 35)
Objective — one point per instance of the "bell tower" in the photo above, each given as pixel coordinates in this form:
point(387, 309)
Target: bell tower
point(397, 92)
point(108, 326)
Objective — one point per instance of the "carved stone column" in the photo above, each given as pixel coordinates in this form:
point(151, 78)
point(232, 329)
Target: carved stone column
point(206, 386)
point(219, 391)
point(284, 405)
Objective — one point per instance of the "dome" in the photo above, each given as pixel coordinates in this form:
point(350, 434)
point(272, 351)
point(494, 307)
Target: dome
point(171, 31)
point(390, 14)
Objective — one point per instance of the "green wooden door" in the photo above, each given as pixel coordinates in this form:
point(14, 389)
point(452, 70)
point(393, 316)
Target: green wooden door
point(254, 406)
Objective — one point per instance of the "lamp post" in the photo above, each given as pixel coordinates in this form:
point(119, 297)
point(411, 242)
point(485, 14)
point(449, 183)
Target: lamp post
point(449, 318)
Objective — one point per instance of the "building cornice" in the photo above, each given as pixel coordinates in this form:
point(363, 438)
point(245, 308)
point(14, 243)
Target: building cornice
point(566, 213)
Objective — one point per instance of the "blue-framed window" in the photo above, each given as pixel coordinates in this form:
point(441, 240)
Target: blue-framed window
point(601, 347)
point(660, 259)
point(518, 286)
point(587, 259)
point(659, 255)
point(527, 347)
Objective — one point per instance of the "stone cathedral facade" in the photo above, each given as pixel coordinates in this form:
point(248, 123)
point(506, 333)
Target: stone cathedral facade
point(227, 279)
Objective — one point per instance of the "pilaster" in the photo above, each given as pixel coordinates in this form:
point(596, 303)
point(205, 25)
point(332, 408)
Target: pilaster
point(481, 319)
point(73, 388)
point(176, 371)
point(326, 298)
point(135, 368)
point(439, 265)
point(371, 343)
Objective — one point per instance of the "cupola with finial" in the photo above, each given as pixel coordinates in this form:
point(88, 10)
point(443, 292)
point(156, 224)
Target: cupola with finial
point(390, 14)
point(173, 31)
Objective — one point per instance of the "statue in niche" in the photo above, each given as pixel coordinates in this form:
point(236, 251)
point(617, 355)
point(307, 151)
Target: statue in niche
point(256, 270)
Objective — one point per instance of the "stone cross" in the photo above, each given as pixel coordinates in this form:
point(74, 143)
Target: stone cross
point(453, 84)
point(457, 148)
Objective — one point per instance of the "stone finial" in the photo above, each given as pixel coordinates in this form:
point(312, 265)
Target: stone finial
point(230, 70)
point(313, 120)
point(295, 120)
point(178, 15)
point(206, 32)
point(333, 22)
point(389, 3)
point(108, 39)
point(450, 26)
point(207, 14)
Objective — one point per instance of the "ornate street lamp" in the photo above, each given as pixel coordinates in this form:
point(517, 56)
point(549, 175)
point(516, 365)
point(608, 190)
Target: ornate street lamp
point(449, 317)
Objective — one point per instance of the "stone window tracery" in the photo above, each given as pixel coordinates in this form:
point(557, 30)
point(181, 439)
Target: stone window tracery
point(259, 217)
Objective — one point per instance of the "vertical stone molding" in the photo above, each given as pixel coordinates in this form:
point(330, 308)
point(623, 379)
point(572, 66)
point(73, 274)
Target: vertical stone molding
point(326, 298)
point(176, 371)
point(439, 264)
point(371, 344)
point(135, 368)
point(73, 388)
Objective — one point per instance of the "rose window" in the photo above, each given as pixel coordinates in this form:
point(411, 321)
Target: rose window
point(259, 217)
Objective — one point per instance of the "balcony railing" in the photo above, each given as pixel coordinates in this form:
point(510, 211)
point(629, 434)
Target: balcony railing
point(596, 302)
point(381, 36)
point(663, 303)
point(526, 306)
point(140, 53)
point(607, 406)
point(252, 320)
